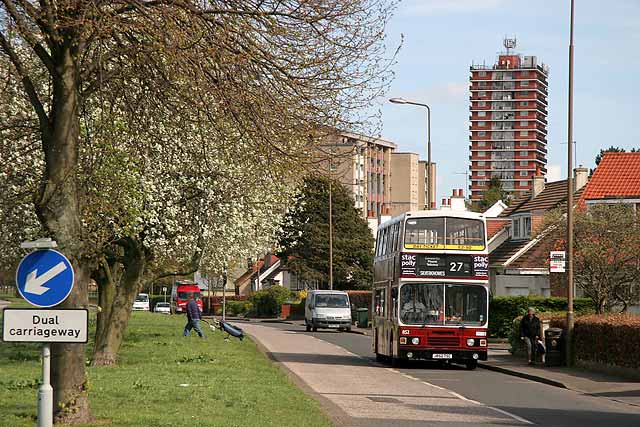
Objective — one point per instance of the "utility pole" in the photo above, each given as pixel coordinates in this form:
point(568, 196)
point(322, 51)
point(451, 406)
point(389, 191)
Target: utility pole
point(330, 221)
point(570, 190)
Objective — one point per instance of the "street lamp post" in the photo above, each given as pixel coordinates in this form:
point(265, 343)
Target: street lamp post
point(404, 101)
point(570, 190)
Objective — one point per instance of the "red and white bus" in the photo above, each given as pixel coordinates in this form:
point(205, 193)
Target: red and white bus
point(431, 288)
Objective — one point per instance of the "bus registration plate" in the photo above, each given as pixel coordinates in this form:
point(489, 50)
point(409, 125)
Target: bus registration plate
point(442, 356)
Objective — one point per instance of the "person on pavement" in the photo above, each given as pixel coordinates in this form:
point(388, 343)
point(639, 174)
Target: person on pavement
point(530, 333)
point(193, 317)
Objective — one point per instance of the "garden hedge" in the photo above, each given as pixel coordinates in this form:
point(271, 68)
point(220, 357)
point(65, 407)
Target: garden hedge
point(608, 340)
point(502, 310)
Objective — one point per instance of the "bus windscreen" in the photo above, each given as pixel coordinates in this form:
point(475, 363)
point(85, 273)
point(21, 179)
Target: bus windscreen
point(439, 304)
point(444, 233)
point(424, 233)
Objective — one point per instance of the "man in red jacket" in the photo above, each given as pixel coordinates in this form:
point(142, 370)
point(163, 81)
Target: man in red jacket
point(193, 317)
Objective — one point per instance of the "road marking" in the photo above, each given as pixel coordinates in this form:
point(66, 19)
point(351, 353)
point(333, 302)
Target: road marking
point(461, 397)
point(452, 393)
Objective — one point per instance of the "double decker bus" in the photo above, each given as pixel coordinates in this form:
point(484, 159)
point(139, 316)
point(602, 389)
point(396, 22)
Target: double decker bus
point(431, 288)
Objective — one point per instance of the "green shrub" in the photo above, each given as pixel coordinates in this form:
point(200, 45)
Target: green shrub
point(267, 302)
point(235, 308)
point(502, 310)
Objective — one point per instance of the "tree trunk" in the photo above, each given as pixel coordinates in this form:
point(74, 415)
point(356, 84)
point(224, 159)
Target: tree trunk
point(104, 277)
point(58, 209)
point(109, 341)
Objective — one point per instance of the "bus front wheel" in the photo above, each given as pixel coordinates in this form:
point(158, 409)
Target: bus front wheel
point(471, 364)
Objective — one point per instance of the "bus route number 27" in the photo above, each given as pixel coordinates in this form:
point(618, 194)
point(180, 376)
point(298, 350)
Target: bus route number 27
point(455, 266)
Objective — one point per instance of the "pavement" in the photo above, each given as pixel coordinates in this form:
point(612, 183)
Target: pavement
point(355, 392)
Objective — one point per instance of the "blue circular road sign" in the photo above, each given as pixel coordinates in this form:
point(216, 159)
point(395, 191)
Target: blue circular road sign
point(44, 278)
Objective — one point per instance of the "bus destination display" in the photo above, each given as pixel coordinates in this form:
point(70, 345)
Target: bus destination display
point(444, 266)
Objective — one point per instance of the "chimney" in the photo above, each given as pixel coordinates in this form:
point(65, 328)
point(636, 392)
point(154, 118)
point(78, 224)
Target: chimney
point(538, 185)
point(457, 201)
point(580, 177)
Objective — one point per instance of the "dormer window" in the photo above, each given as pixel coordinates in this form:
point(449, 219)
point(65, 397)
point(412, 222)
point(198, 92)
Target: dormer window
point(522, 227)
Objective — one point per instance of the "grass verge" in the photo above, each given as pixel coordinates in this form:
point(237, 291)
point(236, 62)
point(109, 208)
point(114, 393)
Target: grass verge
point(164, 379)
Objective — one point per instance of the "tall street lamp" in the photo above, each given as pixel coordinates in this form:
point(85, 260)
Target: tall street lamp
point(570, 199)
point(404, 101)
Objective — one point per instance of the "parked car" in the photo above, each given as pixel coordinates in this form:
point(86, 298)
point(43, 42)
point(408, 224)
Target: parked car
point(162, 307)
point(141, 303)
point(327, 309)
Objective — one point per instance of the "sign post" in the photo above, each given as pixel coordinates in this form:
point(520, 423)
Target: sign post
point(164, 291)
point(44, 278)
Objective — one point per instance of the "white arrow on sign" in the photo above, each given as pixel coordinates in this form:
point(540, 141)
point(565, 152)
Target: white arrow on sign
point(34, 282)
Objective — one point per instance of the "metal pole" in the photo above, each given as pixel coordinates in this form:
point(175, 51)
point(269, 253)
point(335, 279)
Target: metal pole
point(429, 195)
point(330, 237)
point(45, 392)
point(570, 190)
point(224, 295)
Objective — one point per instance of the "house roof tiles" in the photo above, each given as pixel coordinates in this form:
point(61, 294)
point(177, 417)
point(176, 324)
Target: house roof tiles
point(617, 176)
point(495, 225)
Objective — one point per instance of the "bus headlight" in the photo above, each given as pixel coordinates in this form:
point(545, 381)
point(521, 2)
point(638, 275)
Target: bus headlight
point(415, 341)
point(470, 342)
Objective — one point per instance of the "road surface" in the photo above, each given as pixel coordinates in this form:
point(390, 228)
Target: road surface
point(521, 399)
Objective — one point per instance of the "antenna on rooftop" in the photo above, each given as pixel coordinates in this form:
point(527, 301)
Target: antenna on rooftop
point(509, 44)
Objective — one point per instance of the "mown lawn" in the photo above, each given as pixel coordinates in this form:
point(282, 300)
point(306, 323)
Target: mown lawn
point(164, 379)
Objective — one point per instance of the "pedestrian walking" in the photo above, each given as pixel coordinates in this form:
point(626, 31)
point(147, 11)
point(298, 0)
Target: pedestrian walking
point(193, 317)
point(530, 333)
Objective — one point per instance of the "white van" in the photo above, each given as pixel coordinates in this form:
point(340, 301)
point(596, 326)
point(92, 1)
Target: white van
point(327, 309)
point(141, 303)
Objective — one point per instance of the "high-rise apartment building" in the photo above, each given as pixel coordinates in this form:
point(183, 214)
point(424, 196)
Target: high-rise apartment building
point(363, 165)
point(508, 130)
point(405, 188)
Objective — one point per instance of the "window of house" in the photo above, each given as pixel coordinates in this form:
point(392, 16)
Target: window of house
point(482, 124)
point(523, 183)
point(482, 84)
point(481, 143)
point(482, 104)
point(526, 221)
point(481, 153)
point(524, 113)
point(482, 74)
point(482, 94)
point(481, 173)
point(524, 73)
point(524, 143)
point(525, 93)
point(480, 163)
point(524, 173)
point(524, 163)
point(524, 153)
point(482, 113)
point(482, 133)
point(524, 103)
point(524, 123)
point(524, 133)
point(524, 83)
